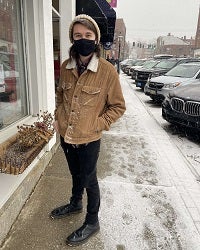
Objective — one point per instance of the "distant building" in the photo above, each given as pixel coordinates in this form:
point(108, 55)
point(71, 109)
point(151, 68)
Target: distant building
point(175, 46)
point(119, 47)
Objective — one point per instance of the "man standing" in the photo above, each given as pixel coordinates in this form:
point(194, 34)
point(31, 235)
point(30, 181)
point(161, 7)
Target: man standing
point(89, 100)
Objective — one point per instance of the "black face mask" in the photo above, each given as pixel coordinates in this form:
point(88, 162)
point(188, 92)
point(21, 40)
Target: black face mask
point(84, 47)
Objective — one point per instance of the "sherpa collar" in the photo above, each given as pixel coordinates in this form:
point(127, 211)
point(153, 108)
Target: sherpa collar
point(93, 64)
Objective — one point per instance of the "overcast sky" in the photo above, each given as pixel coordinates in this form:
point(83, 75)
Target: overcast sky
point(147, 19)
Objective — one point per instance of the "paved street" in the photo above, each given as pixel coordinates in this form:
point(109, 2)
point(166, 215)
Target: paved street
point(150, 195)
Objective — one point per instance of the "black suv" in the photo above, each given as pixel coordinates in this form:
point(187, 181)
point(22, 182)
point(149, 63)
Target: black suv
point(161, 68)
point(182, 106)
point(147, 65)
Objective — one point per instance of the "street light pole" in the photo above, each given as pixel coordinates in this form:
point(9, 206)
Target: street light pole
point(119, 52)
point(118, 60)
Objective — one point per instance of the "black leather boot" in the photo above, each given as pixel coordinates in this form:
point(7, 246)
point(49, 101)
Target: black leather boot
point(82, 234)
point(73, 207)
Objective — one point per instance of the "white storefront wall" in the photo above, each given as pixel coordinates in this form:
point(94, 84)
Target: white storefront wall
point(38, 35)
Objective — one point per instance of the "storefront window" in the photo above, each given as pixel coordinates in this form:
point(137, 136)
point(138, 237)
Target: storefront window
point(13, 93)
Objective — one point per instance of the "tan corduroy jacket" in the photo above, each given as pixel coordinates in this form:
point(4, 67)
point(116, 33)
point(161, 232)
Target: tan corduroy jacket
point(88, 104)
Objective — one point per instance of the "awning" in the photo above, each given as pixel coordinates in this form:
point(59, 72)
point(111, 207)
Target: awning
point(103, 14)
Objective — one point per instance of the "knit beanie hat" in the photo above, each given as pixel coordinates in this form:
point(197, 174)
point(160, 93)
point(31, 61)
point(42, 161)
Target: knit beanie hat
point(88, 18)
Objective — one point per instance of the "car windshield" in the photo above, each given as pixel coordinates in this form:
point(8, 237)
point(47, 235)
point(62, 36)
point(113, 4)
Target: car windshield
point(131, 63)
point(165, 64)
point(150, 64)
point(140, 63)
point(184, 70)
point(125, 61)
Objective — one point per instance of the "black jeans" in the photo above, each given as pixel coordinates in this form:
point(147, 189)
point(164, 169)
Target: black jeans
point(82, 160)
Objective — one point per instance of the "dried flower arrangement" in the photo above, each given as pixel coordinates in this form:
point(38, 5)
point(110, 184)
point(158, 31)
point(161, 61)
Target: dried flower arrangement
point(19, 151)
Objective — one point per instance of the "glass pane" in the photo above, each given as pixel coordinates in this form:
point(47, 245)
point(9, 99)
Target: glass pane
point(13, 93)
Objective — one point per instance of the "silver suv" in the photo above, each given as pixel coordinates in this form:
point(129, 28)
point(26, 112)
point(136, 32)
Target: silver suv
point(159, 87)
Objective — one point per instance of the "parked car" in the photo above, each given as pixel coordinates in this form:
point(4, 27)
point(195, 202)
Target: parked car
point(182, 106)
point(159, 87)
point(128, 65)
point(138, 64)
point(147, 65)
point(124, 63)
point(159, 69)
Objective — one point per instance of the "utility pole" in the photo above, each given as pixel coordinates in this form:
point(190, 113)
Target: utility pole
point(119, 54)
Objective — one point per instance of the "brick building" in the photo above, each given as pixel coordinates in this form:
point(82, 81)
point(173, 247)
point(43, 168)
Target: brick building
point(180, 47)
point(119, 46)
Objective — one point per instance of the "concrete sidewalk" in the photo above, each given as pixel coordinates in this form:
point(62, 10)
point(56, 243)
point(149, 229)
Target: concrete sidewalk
point(150, 199)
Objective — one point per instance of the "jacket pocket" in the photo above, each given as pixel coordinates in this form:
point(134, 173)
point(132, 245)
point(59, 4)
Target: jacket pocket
point(90, 95)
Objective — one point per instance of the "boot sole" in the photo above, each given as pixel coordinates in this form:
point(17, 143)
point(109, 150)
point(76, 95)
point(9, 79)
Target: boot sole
point(65, 215)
